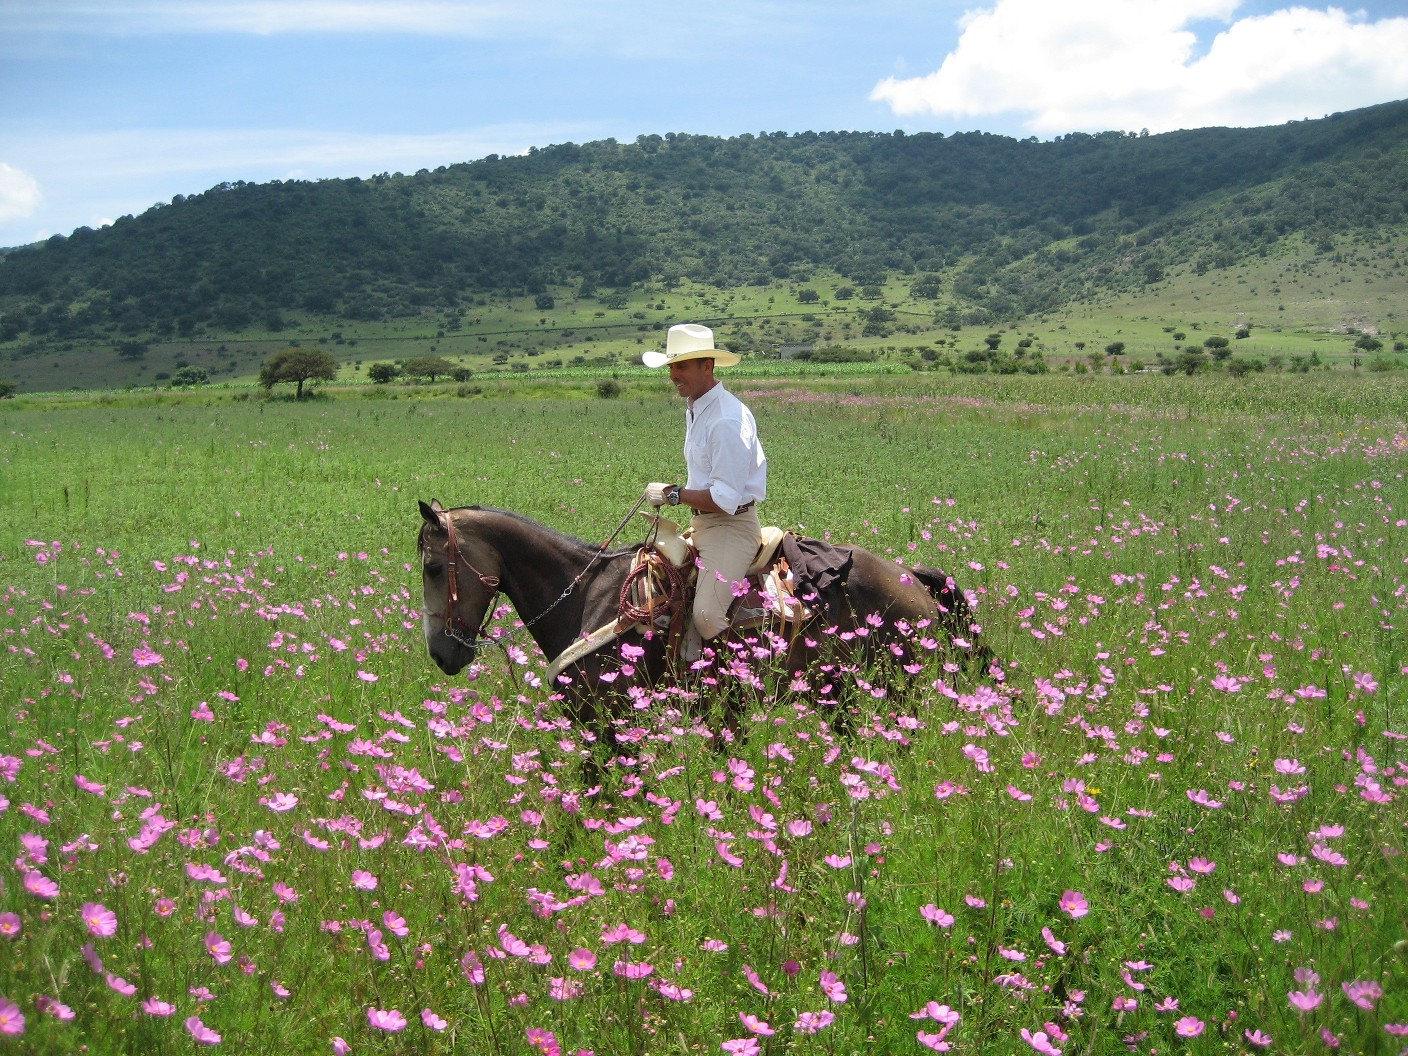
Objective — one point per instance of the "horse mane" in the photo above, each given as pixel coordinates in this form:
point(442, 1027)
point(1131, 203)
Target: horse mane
point(558, 536)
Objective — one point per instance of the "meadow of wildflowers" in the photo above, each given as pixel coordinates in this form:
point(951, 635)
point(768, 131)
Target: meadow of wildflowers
point(241, 810)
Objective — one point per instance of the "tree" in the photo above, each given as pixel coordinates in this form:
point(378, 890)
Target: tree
point(1114, 348)
point(189, 375)
point(808, 296)
point(381, 373)
point(7, 389)
point(298, 365)
point(430, 367)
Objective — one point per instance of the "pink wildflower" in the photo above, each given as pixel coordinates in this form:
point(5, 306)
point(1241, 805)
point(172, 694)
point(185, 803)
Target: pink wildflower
point(386, 1019)
point(755, 1025)
point(1305, 1001)
point(11, 1018)
point(1074, 903)
point(203, 1034)
point(1040, 1042)
point(218, 947)
point(431, 1020)
point(813, 1022)
point(100, 921)
point(1189, 1027)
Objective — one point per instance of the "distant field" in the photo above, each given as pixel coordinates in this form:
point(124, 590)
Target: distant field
point(1296, 301)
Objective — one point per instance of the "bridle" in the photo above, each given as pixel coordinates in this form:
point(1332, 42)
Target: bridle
point(455, 627)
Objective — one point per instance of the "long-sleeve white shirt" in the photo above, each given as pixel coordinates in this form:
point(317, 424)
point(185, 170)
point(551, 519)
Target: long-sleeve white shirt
point(722, 451)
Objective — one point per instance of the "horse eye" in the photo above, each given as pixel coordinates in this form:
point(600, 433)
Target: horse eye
point(434, 571)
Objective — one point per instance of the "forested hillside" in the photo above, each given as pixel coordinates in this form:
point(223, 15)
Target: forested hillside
point(988, 226)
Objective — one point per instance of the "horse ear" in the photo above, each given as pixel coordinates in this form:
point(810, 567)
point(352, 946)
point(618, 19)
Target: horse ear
point(432, 512)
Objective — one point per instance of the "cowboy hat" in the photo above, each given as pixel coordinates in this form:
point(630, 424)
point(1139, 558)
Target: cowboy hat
point(689, 341)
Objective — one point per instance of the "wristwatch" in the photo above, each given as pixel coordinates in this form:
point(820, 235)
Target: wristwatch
point(673, 496)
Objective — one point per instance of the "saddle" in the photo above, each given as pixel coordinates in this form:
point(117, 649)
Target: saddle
point(657, 595)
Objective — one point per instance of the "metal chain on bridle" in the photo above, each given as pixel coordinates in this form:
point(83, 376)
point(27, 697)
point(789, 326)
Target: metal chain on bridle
point(455, 627)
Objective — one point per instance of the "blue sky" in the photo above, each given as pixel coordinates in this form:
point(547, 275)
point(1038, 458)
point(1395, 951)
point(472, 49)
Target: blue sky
point(108, 107)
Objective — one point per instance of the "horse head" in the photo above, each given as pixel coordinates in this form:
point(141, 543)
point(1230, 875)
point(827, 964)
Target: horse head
point(459, 581)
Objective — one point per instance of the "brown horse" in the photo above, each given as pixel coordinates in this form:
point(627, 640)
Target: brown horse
point(564, 589)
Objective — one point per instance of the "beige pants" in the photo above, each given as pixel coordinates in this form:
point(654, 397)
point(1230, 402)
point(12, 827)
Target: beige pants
point(727, 546)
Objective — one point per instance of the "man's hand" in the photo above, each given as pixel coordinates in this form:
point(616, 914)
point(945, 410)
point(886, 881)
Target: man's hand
point(655, 494)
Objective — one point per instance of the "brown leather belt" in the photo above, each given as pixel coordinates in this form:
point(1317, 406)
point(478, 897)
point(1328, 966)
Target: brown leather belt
point(742, 509)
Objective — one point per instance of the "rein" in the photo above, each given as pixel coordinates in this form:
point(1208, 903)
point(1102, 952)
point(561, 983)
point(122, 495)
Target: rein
point(455, 626)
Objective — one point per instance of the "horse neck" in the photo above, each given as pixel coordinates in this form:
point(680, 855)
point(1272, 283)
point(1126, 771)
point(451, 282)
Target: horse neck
point(536, 566)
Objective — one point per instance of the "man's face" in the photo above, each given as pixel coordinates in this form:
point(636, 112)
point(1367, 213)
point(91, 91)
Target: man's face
point(693, 377)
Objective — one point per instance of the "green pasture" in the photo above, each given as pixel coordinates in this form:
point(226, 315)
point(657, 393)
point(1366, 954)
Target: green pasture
point(1168, 819)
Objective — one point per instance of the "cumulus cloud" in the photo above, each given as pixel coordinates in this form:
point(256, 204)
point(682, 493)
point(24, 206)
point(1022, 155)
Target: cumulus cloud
point(1135, 64)
point(19, 194)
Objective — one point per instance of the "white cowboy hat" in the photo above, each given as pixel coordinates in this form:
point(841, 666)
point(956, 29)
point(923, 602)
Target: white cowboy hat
point(689, 341)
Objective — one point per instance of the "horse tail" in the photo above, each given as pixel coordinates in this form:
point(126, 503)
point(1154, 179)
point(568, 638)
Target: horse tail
point(955, 614)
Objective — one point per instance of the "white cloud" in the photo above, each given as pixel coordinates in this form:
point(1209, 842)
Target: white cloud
point(1133, 64)
point(19, 194)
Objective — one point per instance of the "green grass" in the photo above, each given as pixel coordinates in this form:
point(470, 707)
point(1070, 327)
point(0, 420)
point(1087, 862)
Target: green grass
point(1196, 589)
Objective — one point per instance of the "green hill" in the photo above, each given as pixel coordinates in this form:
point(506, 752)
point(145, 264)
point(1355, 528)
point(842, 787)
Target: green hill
point(576, 252)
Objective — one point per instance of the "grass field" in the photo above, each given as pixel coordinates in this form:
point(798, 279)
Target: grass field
point(241, 808)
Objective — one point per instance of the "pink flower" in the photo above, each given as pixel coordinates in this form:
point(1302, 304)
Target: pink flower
point(39, 885)
point(1189, 1027)
point(1054, 944)
point(543, 1041)
point(581, 960)
point(49, 1006)
point(833, 988)
point(938, 1013)
point(755, 1025)
point(1257, 1038)
point(10, 925)
point(431, 1020)
point(934, 915)
point(101, 921)
point(281, 801)
point(741, 1047)
point(363, 880)
point(1074, 903)
point(340, 1047)
point(1305, 1001)
point(11, 1019)
point(154, 1006)
point(388, 1019)
point(121, 985)
point(1040, 1042)
point(933, 1041)
point(367, 676)
point(1363, 992)
point(813, 1022)
point(218, 947)
point(143, 656)
point(203, 1034)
